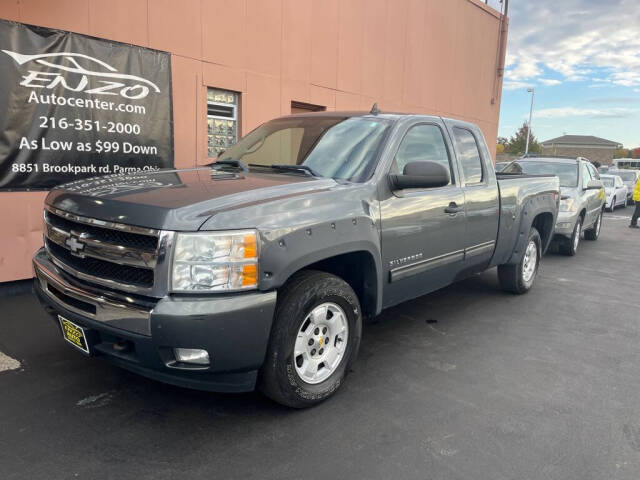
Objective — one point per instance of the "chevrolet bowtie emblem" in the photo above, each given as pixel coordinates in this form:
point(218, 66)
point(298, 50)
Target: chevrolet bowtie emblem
point(74, 245)
point(320, 342)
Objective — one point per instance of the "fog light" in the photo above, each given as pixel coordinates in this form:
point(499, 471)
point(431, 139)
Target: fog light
point(192, 355)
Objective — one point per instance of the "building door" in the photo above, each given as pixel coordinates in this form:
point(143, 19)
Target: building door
point(300, 107)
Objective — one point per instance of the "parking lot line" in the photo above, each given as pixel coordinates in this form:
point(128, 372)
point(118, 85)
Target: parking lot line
point(8, 363)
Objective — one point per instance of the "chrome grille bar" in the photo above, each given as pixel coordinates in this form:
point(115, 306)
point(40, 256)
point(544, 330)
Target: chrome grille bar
point(103, 223)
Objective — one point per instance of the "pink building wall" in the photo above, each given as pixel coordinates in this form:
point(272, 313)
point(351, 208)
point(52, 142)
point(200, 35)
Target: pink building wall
point(428, 56)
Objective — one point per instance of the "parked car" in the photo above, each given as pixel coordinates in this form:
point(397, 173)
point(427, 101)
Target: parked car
point(583, 197)
point(615, 191)
point(500, 165)
point(629, 178)
point(254, 272)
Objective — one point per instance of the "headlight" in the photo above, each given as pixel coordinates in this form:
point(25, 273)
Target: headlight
point(567, 205)
point(215, 262)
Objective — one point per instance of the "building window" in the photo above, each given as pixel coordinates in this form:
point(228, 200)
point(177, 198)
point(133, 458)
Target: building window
point(222, 120)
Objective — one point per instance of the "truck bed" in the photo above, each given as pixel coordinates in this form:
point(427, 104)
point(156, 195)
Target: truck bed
point(520, 195)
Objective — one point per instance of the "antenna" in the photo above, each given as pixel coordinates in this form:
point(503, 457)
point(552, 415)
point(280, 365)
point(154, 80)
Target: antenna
point(374, 110)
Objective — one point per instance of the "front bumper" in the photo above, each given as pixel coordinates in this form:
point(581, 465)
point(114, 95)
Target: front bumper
point(565, 223)
point(139, 334)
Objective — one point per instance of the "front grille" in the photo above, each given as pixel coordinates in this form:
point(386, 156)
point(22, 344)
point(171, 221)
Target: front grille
point(140, 277)
point(115, 237)
point(113, 255)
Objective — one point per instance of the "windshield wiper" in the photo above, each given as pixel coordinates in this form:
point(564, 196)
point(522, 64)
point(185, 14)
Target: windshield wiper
point(285, 167)
point(228, 162)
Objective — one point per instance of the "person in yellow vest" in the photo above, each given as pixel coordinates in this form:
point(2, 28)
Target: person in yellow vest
point(636, 212)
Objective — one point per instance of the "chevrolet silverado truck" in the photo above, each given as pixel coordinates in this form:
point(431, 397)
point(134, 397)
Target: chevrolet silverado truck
point(256, 271)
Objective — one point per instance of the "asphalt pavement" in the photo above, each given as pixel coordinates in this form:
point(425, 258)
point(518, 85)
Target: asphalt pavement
point(465, 383)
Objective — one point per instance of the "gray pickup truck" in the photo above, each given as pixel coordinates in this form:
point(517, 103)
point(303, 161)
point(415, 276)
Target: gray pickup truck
point(257, 271)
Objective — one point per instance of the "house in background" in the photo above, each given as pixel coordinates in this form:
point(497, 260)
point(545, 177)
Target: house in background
point(594, 148)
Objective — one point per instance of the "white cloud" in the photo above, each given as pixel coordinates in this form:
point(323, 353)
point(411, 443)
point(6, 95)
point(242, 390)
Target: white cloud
point(549, 81)
point(561, 112)
point(514, 85)
point(574, 37)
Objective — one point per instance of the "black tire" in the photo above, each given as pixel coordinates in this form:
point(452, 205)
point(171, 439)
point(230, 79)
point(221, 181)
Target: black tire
point(594, 232)
point(569, 247)
point(613, 204)
point(279, 379)
point(512, 278)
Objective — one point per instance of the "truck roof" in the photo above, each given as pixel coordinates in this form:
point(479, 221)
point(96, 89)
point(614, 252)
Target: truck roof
point(353, 113)
point(394, 116)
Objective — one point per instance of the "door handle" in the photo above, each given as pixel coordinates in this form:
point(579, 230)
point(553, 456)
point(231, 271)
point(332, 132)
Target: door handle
point(452, 209)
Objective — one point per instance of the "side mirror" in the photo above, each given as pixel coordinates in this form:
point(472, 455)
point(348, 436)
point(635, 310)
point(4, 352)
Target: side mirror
point(594, 184)
point(425, 174)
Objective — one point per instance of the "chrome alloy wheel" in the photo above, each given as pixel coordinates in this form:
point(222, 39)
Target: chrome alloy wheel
point(598, 224)
point(576, 238)
point(530, 262)
point(321, 343)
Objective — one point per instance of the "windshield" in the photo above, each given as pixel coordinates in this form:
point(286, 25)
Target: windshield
point(336, 147)
point(566, 172)
point(627, 176)
point(607, 181)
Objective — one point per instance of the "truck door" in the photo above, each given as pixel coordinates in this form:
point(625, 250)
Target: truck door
point(481, 196)
point(423, 230)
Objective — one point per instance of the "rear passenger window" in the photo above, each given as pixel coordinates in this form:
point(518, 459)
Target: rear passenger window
point(422, 143)
point(468, 155)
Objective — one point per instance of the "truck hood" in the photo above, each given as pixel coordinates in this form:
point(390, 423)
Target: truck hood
point(176, 199)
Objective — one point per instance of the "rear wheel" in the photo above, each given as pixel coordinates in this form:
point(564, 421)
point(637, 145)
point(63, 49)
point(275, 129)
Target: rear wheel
point(594, 232)
point(519, 278)
point(314, 339)
point(570, 247)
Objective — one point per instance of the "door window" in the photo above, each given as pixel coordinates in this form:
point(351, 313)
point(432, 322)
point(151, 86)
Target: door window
point(468, 155)
point(586, 177)
point(592, 170)
point(422, 143)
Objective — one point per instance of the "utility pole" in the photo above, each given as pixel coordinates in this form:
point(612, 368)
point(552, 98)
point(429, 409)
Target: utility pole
point(531, 91)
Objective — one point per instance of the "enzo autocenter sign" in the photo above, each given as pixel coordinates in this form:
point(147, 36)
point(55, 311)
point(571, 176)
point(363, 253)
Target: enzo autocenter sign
point(73, 107)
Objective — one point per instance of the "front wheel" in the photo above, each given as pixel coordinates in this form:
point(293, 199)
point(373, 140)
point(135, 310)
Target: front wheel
point(594, 232)
point(613, 204)
point(626, 202)
point(314, 339)
point(519, 278)
point(570, 247)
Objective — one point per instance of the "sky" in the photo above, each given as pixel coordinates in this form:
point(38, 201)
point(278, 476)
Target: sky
point(582, 57)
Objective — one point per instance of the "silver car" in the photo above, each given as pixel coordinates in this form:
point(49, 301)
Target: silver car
point(629, 178)
point(615, 190)
point(582, 198)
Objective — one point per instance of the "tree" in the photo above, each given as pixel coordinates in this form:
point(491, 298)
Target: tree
point(622, 153)
point(500, 148)
point(502, 140)
point(517, 143)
